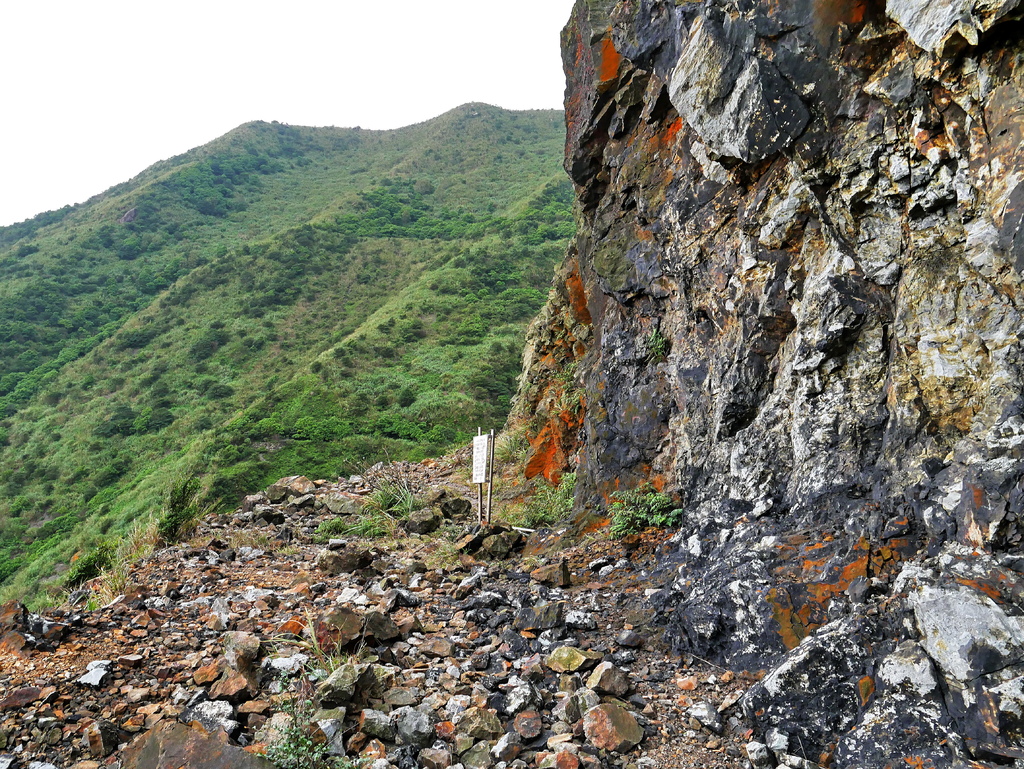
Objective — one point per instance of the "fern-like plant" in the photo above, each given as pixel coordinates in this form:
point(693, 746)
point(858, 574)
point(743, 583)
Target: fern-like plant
point(642, 508)
point(657, 346)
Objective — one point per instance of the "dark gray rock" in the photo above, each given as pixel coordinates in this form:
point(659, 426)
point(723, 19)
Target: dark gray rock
point(424, 521)
point(791, 305)
point(377, 724)
point(813, 694)
point(346, 560)
point(736, 101)
point(456, 507)
point(414, 727)
point(541, 617)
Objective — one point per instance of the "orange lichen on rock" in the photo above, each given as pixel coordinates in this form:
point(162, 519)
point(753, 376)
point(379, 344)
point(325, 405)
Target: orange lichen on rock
point(577, 296)
point(988, 589)
point(594, 525)
point(866, 689)
point(609, 60)
point(793, 624)
point(673, 131)
point(549, 451)
point(800, 609)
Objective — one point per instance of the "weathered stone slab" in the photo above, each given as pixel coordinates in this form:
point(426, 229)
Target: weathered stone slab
point(173, 745)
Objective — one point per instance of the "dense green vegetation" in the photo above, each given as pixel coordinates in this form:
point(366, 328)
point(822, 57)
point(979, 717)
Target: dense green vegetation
point(641, 508)
point(283, 300)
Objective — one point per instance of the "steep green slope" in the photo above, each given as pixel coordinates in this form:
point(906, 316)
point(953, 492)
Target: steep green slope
point(282, 300)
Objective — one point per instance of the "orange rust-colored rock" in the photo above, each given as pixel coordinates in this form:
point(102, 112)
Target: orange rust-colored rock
point(294, 627)
point(865, 688)
point(609, 60)
point(172, 745)
point(801, 608)
point(548, 457)
point(208, 673)
point(577, 296)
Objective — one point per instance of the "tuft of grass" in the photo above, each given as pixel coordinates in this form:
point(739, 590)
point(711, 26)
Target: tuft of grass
point(393, 496)
point(91, 564)
point(444, 553)
point(549, 505)
point(641, 508)
point(118, 556)
point(183, 511)
point(511, 447)
point(389, 504)
point(373, 524)
point(255, 539)
point(332, 529)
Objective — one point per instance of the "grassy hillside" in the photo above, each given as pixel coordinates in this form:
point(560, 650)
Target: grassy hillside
point(282, 300)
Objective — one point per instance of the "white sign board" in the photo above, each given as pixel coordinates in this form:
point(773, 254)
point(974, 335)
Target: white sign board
point(480, 447)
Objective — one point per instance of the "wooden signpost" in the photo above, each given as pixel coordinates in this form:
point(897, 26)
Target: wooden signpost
point(483, 472)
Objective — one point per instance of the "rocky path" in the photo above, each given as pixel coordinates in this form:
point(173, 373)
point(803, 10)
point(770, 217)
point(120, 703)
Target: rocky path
point(483, 648)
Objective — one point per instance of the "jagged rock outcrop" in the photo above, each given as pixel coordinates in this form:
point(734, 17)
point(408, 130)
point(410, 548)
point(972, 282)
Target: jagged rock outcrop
point(794, 304)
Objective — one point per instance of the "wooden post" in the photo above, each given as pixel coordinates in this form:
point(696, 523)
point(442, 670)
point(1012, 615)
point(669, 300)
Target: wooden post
point(490, 476)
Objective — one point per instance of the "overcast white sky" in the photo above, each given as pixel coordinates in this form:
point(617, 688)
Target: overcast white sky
point(94, 92)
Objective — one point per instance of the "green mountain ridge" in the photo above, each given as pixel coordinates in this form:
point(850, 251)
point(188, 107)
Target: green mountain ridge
point(280, 300)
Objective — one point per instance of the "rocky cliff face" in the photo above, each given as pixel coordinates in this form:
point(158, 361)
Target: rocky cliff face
point(794, 304)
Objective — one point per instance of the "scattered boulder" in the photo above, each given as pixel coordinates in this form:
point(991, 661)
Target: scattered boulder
point(242, 652)
point(432, 758)
point(341, 687)
point(708, 717)
point(455, 507)
point(213, 717)
point(173, 745)
point(544, 616)
point(377, 724)
point(292, 486)
point(97, 673)
point(21, 697)
point(437, 647)
point(424, 521)
point(102, 738)
point(501, 545)
point(481, 724)
point(344, 561)
point(338, 628)
point(413, 727)
point(380, 627)
point(569, 659)
point(478, 757)
point(528, 725)
point(611, 727)
point(609, 679)
point(555, 574)
point(340, 504)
